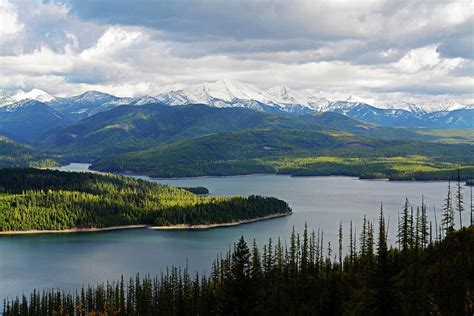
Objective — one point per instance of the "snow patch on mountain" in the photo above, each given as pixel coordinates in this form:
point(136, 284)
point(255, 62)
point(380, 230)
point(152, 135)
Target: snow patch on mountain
point(231, 93)
point(7, 98)
point(227, 93)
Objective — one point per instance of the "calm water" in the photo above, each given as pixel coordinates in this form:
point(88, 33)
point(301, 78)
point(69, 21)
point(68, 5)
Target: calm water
point(71, 260)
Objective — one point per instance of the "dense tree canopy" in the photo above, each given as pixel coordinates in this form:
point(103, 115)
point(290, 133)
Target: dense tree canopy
point(53, 200)
point(299, 153)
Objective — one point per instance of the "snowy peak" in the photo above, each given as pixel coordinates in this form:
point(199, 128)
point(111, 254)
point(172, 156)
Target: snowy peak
point(23, 104)
point(91, 96)
point(34, 94)
point(232, 93)
point(225, 90)
point(284, 94)
point(360, 100)
point(146, 99)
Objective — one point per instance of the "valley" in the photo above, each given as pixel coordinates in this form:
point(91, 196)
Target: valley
point(130, 135)
point(236, 158)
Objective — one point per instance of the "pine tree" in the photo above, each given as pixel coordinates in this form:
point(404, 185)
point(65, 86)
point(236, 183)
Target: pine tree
point(448, 216)
point(472, 209)
point(424, 229)
point(256, 269)
point(340, 246)
point(305, 250)
point(459, 198)
point(237, 280)
point(363, 238)
point(404, 228)
point(351, 249)
point(384, 301)
point(293, 255)
point(412, 230)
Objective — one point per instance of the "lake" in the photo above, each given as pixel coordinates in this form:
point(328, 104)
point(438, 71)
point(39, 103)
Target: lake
point(71, 260)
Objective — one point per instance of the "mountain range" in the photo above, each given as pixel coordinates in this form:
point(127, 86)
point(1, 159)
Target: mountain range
point(281, 99)
point(229, 128)
point(27, 116)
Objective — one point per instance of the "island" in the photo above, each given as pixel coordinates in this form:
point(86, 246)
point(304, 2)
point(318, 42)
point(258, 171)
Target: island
point(36, 200)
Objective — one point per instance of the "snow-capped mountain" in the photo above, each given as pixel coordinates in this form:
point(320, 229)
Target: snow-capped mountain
point(7, 98)
point(228, 93)
point(86, 104)
point(146, 99)
point(219, 92)
point(397, 111)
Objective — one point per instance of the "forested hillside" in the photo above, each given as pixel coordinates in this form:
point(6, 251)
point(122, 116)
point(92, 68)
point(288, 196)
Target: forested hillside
point(25, 121)
point(131, 128)
point(33, 199)
point(298, 152)
point(198, 140)
point(423, 275)
point(13, 154)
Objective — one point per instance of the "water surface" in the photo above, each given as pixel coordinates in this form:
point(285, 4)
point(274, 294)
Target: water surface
point(71, 260)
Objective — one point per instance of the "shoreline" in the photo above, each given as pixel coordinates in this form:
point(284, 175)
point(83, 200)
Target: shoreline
point(127, 227)
point(228, 224)
point(71, 230)
point(149, 177)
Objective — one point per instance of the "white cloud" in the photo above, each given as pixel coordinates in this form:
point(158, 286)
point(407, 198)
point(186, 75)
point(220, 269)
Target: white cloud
point(338, 46)
point(112, 41)
point(419, 59)
point(8, 19)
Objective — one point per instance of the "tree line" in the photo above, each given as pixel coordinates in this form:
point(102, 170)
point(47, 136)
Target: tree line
point(424, 273)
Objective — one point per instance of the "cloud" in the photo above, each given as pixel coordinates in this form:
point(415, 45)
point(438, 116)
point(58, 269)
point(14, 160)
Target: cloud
point(136, 47)
point(9, 19)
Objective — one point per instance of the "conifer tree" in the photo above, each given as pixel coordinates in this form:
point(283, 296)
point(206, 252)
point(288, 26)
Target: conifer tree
point(459, 198)
point(424, 229)
point(256, 269)
point(412, 230)
point(404, 228)
point(383, 297)
point(363, 238)
point(304, 250)
point(340, 246)
point(448, 216)
point(472, 209)
point(238, 278)
point(351, 249)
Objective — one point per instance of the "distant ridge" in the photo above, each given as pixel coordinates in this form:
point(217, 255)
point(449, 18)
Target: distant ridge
point(224, 93)
point(443, 113)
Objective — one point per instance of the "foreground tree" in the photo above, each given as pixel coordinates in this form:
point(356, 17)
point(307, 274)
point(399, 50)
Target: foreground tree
point(301, 279)
point(459, 198)
point(448, 214)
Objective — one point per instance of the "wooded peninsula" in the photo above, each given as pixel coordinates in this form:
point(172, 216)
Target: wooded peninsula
point(35, 199)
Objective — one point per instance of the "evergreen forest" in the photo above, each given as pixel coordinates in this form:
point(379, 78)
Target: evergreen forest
point(35, 199)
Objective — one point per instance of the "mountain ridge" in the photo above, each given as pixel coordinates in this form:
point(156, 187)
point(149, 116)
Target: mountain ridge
point(129, 128)
point(222, 92)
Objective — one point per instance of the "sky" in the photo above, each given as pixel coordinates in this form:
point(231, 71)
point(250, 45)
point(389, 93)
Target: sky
point(136, 47)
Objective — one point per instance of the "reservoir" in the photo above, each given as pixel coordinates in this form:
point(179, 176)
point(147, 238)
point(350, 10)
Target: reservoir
point(71, 260)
